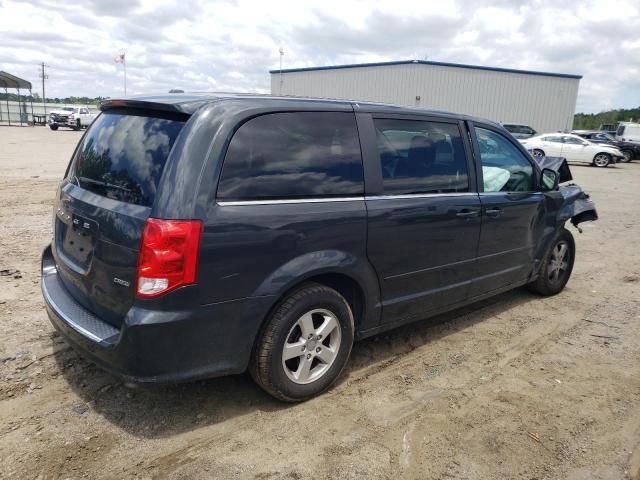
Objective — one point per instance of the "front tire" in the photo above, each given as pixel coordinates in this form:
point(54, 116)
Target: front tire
point(305, 344)
point(53, 127)
point(628, 156)
point(557, 265)
point(602, 160)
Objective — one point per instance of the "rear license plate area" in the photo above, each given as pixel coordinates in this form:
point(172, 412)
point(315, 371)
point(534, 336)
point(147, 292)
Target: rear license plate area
point(77, 238)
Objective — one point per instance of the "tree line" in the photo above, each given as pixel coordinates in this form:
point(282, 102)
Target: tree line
point(13, 97)
point(592, 121)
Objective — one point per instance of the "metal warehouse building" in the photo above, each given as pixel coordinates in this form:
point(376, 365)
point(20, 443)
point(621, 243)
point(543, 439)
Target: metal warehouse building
point(545, 101)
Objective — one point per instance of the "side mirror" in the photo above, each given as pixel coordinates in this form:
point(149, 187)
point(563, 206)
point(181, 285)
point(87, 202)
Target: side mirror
point(549, 180)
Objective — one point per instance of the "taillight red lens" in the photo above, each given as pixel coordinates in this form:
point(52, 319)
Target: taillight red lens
point(168, 256)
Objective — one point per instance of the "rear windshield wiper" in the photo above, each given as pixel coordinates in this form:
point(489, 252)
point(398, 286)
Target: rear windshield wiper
point(100, 183)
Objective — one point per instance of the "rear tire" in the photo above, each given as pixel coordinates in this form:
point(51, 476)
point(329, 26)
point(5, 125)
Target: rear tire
point(557, 265)
point(602, 160)
point(305, 344)
point(628, 156)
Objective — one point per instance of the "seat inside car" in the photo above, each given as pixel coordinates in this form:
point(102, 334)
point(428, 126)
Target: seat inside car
point(420, 158)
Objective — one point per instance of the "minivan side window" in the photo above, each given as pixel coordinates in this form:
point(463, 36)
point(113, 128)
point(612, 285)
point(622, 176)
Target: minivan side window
point(293, 155)
point(504, 167)
point(421, 157)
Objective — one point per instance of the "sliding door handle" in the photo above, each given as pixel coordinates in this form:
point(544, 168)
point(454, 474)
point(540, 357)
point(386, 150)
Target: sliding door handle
point(493, 212)
point(467, 213)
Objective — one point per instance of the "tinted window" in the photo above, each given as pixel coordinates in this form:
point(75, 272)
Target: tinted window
point(294, 155)
point(421, 157)
point(604, 136)
point(572, 140)
point(504, 166)
point(519, 129)
point(122, 156)
point(552, 139)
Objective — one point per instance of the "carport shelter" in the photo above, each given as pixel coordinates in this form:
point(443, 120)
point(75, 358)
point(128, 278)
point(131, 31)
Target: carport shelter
point(8, 81)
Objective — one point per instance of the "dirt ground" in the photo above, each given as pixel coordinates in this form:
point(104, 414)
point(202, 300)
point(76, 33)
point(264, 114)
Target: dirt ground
point(517, 387)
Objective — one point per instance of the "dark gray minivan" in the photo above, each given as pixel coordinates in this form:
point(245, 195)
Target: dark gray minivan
point(198, 236)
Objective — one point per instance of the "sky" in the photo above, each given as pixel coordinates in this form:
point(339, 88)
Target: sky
point(230, 45)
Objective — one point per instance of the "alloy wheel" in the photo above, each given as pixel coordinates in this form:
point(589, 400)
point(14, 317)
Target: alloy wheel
point(601, 160)
point(559, 262)
point(311, 346)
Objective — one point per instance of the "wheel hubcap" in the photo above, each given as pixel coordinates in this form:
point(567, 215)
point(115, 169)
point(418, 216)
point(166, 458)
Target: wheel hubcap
point(627, 155)
point(559, 262)
point(601, 160)
point(311, 346)
point(537, 153)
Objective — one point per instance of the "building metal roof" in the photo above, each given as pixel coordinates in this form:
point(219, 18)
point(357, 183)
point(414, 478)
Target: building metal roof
point(11, 81)
point(427, 62)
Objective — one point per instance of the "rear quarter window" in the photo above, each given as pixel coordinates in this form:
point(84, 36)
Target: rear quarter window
point(293, 155)
point(122, 156)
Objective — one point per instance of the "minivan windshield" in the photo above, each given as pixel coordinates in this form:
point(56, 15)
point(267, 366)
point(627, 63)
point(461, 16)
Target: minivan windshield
point(123, 155)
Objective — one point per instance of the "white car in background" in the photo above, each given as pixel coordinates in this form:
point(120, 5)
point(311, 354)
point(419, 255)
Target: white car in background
point(71, 117)
point(573, 148)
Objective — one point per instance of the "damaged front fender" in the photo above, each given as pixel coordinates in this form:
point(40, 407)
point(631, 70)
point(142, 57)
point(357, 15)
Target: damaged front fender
point(577, 206)
point(573, 203)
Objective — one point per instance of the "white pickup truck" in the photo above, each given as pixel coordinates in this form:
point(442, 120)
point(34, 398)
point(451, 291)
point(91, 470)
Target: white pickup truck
point(72, 117)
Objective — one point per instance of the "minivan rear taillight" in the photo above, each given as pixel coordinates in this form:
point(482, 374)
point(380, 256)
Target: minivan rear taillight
point(168, 256)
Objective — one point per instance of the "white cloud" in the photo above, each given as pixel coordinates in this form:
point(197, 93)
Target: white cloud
point(230, 45)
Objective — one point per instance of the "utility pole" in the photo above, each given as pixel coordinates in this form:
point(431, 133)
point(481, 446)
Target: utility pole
point(44, 76)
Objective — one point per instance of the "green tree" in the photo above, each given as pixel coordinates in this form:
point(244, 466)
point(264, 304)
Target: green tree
point(593, 121)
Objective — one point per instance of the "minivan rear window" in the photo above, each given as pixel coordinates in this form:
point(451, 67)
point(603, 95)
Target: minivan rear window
point(293, 155)
point(123, 155)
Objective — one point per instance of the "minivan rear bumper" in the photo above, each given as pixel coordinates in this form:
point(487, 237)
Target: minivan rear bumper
point(157, 346)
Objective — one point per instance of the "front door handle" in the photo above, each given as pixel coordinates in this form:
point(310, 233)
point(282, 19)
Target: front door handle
point(467, 213)
point(493, 212)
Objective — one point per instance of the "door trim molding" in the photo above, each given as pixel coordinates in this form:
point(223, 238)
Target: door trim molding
point(286, 201)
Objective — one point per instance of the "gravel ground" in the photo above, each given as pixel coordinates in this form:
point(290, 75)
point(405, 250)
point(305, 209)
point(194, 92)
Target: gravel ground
point(518, 387)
